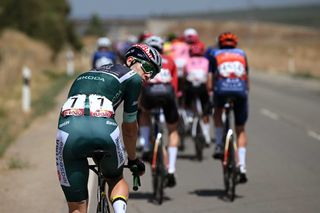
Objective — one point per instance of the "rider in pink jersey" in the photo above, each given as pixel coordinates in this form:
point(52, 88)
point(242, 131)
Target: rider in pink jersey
point(196, 74)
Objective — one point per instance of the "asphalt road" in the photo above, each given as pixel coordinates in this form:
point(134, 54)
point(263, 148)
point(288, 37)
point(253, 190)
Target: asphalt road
point(283, 161)
point(282, 158)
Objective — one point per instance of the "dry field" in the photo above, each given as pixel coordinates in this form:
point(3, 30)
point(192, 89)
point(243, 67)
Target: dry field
point(270, 48)
point(16, 51)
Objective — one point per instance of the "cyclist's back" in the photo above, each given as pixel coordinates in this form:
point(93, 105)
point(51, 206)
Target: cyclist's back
point(196, 75)
point(87, 123)
point(229, 70)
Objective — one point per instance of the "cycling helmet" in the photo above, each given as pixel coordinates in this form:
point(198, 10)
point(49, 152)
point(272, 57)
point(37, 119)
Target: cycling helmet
point(148, 56)
point(144, 35)
point(103, 42)
point(197, 49)
point(190, 35)
point(155, 42)
point(227, 39)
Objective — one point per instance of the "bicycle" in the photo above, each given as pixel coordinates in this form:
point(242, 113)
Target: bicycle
point(191, 123)
point(230, 157)
point(102, 198)
point(197, 130)
point(158, 162)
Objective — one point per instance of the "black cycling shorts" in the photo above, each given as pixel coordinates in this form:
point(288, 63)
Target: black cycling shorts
point(161, 95)
point(192, 92)
point(240, 106)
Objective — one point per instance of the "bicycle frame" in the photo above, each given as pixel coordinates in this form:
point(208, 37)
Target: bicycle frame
point(102, 198)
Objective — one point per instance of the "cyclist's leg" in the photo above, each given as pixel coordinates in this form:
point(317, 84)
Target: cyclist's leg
point(144, 128)
point(241, 116)
point(170, 109)
point(112, 169)
point(118, 193)
point(217, 117)
point(147, 102)
point(204, 98)
point(73, 170)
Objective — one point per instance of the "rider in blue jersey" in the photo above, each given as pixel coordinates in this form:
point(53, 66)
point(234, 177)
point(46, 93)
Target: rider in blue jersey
point(228, 77)
point(104, 55)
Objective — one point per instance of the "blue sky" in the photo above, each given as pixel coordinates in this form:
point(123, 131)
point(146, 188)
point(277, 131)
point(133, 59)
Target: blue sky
point(141, 8)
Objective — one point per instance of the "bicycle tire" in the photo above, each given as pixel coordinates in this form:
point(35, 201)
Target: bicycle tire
point(158, 175)
point(182, 134)
point(103, 205)
point(199, 142)
point(230, 169)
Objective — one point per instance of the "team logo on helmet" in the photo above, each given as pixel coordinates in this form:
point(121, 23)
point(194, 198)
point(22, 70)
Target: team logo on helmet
point(145, 48)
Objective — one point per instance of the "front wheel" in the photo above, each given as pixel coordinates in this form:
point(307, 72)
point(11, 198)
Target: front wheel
point(158, 175)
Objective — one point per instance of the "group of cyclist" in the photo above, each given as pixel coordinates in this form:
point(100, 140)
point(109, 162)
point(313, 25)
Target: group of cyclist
point(155, 73)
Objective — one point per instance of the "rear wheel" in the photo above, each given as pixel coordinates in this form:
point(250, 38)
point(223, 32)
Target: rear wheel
point(103, 206)
point(182, 133)
point(230, 171)
point(158, 176)
point(199, 142)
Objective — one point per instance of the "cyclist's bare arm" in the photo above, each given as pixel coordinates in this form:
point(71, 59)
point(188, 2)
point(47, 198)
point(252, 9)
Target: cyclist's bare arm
point(130, 135)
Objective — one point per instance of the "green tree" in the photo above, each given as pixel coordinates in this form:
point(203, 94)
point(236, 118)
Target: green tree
point(95, 26)
point(44, 20)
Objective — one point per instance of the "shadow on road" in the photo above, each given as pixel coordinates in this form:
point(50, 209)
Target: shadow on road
point(219, 193)
point(146, 196)
point(191, 157)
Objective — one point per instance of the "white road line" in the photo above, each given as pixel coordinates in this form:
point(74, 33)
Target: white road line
point(269, 114)
point(314, 135)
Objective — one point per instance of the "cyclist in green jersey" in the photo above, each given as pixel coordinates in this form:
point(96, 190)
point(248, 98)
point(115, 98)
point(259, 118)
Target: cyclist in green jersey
point(87, 123)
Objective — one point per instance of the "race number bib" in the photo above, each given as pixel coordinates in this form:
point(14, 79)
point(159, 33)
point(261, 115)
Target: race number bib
point(227, 69)
point(74, 106)
point(100, 106)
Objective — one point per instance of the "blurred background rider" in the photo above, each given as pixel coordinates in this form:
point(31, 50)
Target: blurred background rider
point(161, 92)
point(229, 74)
point(104, 53)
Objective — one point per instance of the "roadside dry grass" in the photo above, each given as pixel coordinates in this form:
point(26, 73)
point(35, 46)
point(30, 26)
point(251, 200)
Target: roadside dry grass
point(48, 79)
point(270, 47)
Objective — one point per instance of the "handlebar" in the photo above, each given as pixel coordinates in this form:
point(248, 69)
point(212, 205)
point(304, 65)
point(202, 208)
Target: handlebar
point(136, 178)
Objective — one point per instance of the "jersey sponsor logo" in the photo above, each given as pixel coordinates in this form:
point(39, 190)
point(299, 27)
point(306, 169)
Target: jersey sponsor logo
point(73, 112)
point(115, 135)
point(64, 124)
point(102, 113)
point(111, 123)
point(90, 77)
point(60, 142)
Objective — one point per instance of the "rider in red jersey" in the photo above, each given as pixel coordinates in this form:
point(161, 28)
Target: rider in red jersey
point(161, 92)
